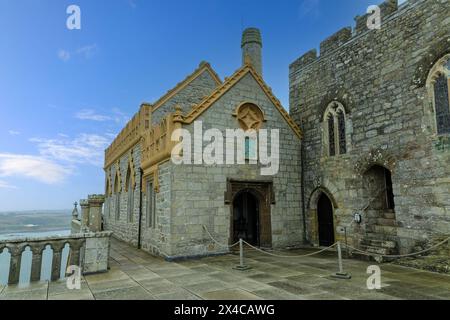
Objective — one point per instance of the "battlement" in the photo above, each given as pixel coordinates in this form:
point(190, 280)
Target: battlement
point(347, 34)
point(387, 8)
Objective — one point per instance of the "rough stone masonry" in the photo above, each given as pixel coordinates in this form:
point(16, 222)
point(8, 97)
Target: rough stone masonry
point(366, 106)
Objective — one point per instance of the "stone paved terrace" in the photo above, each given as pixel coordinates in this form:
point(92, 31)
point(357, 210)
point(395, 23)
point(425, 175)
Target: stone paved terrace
point(136, 275)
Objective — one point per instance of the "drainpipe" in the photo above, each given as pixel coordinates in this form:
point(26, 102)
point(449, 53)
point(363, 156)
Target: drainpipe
point(140, 208)
point(302, 152)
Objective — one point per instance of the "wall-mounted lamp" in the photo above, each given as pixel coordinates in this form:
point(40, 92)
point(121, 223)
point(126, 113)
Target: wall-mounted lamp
point(357, 217)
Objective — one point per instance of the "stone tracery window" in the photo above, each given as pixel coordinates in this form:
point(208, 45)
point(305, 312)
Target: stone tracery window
point(438, 85)
point(249, 116)
point(334, 125)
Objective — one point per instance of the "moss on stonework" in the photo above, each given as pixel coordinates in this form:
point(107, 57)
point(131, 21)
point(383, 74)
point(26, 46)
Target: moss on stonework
point(440, 264)
point(438, 259)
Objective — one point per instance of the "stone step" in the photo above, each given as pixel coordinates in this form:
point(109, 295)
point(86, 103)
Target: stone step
point(384, 230)
point(377, 250)
point(379, 243)
point(388, 215)
point(363, 257)
point(387, 222)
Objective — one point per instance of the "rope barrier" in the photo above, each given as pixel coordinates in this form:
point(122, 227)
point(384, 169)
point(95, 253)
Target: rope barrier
point(398, 256)
point(291, 256)
point(217, 242)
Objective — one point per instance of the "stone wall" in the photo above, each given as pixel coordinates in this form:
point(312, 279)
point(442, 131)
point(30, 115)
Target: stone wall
point(198, 192)
point(379, 77)
point(122, 228)
point(156, 239)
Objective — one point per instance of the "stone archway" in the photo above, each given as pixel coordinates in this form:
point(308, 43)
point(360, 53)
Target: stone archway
point(324, 204)
point(255, 198)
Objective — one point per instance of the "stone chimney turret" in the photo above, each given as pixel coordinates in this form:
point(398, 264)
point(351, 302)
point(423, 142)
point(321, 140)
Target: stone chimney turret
point(252, 48)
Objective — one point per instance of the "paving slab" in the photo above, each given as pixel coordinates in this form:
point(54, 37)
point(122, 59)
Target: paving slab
point(113, 274)
point(135, 275)
point(83, 294)
point(159, 286)
point(35, 291)
point(180, 294)
point(103, 286)
point(275, 294)
point(207, 286)
point(229, 294)
point(133, 293)
point(59, 287)
point(295, 287)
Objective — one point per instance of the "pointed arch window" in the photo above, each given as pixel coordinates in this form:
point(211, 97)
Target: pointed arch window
point(130, 193)
point(335, 137)
point(117, 192)
point(108, 197)
point(331, 137)
point(439, 89)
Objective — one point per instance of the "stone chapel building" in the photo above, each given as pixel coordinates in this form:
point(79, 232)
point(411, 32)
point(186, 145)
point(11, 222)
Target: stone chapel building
point(164, 208)
point(370, 164)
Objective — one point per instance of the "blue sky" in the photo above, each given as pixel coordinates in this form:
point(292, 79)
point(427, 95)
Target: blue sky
point(64, 94)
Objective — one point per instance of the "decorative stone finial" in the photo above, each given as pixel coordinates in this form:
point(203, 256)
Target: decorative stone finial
point(178, 114)
point(75, 210)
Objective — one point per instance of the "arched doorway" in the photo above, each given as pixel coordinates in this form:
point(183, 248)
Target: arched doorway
point(325, 221)
point(246, 218)
point(378, 188)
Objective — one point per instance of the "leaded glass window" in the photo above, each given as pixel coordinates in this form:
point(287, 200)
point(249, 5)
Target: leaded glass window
point(151, 195)
point(130, 203)
point(331, 136)
point(442, 105)
point(250, 149)
point(341, 128)
point(118, 206)
point(334, 126)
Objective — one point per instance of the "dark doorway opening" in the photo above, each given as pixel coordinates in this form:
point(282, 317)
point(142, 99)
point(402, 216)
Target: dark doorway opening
point(246, 224)
point(378, 181)
point(389, 190)
point(326, 221)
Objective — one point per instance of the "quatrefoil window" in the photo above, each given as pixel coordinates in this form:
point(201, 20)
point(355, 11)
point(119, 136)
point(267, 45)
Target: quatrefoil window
point(250, 117)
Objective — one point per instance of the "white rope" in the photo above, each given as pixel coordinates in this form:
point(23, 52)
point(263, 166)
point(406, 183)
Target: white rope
point(217, 242)
point(398, 256)
point(292, 256)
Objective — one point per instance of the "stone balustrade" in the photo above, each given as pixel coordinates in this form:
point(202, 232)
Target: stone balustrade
point(88, 250)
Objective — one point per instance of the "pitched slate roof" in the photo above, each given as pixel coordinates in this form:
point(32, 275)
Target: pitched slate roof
point(204, 66)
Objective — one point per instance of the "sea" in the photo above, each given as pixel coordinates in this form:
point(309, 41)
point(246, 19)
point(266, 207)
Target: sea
point(25, 269)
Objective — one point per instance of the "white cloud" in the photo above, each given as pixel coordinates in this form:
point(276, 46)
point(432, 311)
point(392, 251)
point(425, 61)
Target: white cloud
point(34, 167)
point(64, 55)
point(89, 114)
point(85, 149)
point(88, 51)
point(309, 8)
point(92, 115)
point(6, 185)
point(119, 116)
point(13, 132)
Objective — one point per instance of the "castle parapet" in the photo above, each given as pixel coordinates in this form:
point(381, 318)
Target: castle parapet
point(336, 40)
point(88, 250)
point(386, 8)
point(304, 60)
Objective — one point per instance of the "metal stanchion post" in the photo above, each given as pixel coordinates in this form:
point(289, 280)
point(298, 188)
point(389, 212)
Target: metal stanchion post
point(341, 274)
point(241, 266)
